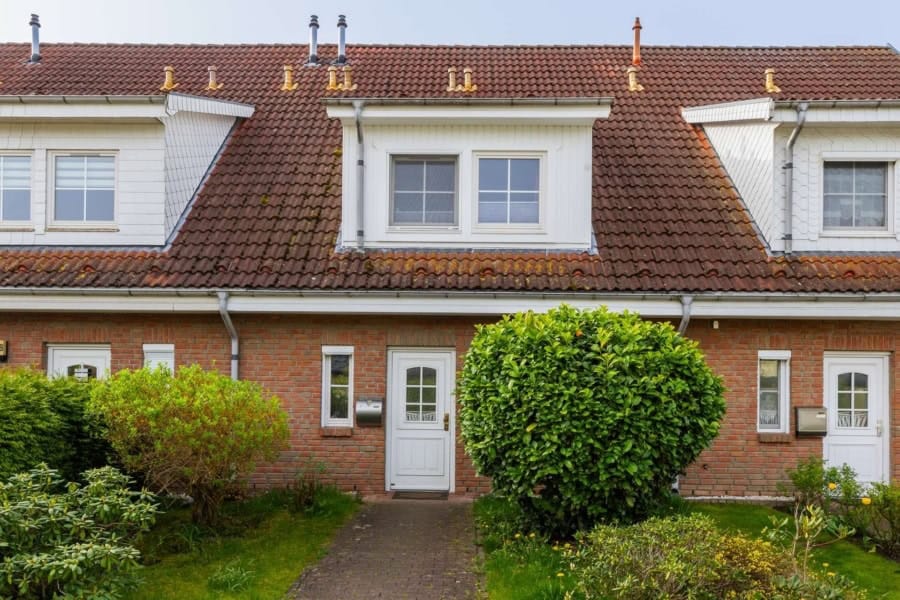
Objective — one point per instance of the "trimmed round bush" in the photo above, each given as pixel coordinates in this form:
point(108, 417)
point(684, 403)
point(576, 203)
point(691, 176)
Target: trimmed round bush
point(585, 416)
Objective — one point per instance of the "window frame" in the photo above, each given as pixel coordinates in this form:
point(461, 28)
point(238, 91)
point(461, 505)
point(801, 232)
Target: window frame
point(437, 157)
point(542, 193)
point(327, 353)
point(5, 224)
point(783, 357)
point(156, 354)
point(890, 163)
point(51, 191)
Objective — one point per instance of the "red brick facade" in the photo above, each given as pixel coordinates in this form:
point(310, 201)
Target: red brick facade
point(283, 353)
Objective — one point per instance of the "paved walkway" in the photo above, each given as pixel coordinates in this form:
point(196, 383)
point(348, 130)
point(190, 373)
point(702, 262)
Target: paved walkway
point(403, 549)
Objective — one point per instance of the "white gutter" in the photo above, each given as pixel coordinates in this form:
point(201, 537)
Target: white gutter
point(788, 169)
point(235, 343)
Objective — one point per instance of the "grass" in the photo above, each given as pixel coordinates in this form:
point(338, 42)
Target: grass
point(527, 568)
point(257, 552)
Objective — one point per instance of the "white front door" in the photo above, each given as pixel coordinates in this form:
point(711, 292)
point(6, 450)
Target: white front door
point(79, 361)
point(420, 419)
point(856, 397)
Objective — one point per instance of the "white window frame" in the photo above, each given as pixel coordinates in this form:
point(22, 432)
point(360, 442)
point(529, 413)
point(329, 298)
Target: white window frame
point(453, 157)
point(784, 392)
point(327, 353)
point(891, 160)
point(160, 354)
point(51, 192)
point(21, 223)
point(542, 193)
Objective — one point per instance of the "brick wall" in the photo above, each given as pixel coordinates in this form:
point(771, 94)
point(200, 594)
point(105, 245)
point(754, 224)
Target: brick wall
point(283, 353)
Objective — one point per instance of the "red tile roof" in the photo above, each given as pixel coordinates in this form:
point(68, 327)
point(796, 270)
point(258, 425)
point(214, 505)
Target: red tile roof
point(666, 217)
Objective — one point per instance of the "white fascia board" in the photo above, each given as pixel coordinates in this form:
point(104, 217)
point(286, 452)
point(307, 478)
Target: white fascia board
point(212, 106)
point(796, 308)
point(110, 303)
point(840, 114)
point(514, 114)
point(758, 109)
point(82, 107)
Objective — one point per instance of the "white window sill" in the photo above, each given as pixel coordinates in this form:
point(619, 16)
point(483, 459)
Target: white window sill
point(83, 227)
point(448, 229)
point(15, 227)
point(509, 229)
point(856, 233)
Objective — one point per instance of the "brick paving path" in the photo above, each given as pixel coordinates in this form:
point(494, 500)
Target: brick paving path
point(403, 549)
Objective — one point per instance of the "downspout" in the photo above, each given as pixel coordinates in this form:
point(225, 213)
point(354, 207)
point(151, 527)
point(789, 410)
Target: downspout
point(226, 318)
point(686, 302)
point(360, 176)
point(788, 169)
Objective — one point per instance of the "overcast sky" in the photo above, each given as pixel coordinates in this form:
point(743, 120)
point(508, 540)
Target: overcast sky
point(683, 22)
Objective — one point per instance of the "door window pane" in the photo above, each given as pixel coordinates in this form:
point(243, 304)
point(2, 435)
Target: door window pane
point(84, 188)
point(855, 195)
point(509, 190)
point(15, 188)
point(424, 191)
point(421, 395)
point(852, 400)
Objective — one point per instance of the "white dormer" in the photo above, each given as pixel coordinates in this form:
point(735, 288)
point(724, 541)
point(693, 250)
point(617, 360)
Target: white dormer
point(844, 175)
point(474, 173)
point(105, 170)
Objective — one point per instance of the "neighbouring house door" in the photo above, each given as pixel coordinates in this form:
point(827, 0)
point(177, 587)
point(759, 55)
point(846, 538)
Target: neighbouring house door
point(856, 398)
point(420, 419)
point(82, 361)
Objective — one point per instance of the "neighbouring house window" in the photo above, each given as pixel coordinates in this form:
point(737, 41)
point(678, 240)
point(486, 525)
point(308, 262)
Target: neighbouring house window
point(856, 195)
point(423, 191)
point(509, 190)
point(15, 188)
point(337, 386)
point(84, 188)
point(773, 392)
point(160, 354)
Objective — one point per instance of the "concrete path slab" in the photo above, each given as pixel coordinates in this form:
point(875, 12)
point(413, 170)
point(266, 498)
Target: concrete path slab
point(399, 549)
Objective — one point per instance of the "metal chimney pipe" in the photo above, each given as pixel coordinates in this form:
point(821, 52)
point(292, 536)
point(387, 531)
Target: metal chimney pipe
point(35, 23)
point(313, 40)
point(342, 40)
point(636, 47)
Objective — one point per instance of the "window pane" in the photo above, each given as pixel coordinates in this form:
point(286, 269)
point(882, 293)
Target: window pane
point(340, 405)
point(340, 369)
point(768, 410)
point(838, 211)
point(70, 172)
point(523, 208)
point(409, 176)
point(844, 400)
point(870, 178)
point(525, 174)
point(492, 207)
point(413, 396)
point(16, 205)
point(429, 376)
point(869, 211)
point(439, 208)
point(768, 375)
point(492, 174)
point(101, 171)
point(408, 207)
point(440, 177)
point(413, 376)
point(99, 205)
point(860, 381)
point(845, 418)
point(844, 380)
point(16, 172)
point(428, 395)
point(428, 414)
point(861, 400)
point(838, 178)
point(69, 205)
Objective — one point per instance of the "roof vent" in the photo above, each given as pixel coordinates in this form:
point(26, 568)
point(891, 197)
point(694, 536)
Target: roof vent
point(342, 41)
point(35, 23)
point(289, 84)
point(169, 83)
point(347, 84)
point(465, 86)
point(313, 41)
point(213, 84)
point(636, 48)
point(633, 85)
point(771, 88)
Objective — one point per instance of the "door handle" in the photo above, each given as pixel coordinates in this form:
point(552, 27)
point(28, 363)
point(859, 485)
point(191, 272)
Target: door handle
point(447, 422)
point(879, 426)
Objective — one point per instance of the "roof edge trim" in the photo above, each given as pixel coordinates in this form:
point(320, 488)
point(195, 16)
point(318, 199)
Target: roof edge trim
point(214, 106)
point(758, 109)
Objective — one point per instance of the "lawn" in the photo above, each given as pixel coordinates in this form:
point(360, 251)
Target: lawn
point(527, 569)
point(260, 548)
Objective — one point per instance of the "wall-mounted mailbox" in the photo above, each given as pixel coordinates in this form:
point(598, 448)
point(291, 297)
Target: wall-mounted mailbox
point(369, 412)
point(4, 351)
point(811, 420)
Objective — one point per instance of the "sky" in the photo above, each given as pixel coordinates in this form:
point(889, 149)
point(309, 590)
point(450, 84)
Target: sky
point(679, 22)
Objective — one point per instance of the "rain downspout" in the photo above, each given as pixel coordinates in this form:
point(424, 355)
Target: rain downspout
point(788, 169)
point(226, 318)
point(360, 175)
point(686, 302)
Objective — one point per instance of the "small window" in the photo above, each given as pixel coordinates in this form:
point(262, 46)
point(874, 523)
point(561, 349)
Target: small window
point(853, 400)
point(856, 195)
point(337, 386)
point(160, 355)
point(423, 191)
point(509, 190)
point(15, 188)
point(84, 188)
point(773, 392)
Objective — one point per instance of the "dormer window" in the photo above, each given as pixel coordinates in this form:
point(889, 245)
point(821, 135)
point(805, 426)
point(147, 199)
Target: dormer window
point(509, 190)
point(84, 188)
point(423, 190)
point(15, 188)
point(856, 195)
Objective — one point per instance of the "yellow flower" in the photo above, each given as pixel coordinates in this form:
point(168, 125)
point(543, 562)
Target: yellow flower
point(556, 548)
point(518, 535)
point(825, 565)
point(832, 486)
point(560, 574)
point(831, 573)
point(531, 535)
point(866, 500)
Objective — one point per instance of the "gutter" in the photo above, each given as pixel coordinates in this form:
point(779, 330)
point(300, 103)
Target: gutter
point(235, 343)
point(788, 169)
point(686, 302)
point(360, 175)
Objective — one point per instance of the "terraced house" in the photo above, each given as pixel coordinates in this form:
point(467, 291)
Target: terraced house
point(333, 220)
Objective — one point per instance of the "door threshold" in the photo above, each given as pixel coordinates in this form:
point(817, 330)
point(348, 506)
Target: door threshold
point(419, 495)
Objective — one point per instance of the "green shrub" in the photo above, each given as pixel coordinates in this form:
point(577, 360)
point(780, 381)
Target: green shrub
point(199, 432)
point(879, 518)
point(585, 416)
point(70, 541)
point(43, 421)
point(817, 484)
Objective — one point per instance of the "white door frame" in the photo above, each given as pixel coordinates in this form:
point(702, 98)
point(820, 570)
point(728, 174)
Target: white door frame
point(885, 416)
point(451, 409)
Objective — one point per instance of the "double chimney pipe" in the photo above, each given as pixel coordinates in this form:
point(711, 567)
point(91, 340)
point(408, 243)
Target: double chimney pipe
point(313, 58)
